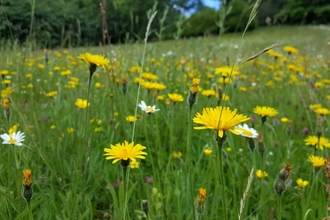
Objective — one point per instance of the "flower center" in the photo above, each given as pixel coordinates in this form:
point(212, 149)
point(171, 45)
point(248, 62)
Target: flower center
point(247, 133)
point(149, 109)
point(12, 141)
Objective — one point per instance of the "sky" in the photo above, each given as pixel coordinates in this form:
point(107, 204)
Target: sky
point(212, 3)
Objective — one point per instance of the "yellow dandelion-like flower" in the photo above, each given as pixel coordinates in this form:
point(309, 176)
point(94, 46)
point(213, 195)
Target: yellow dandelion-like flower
point(225, 71)
point(201, 199)
point(315, 106)
point(207, 152)
point(97, 60)
point(265, 111)
point(149, 76)
point(290, 50)
point(6, 92)
point(70, 130)
point(27, 177)
point(27, 192)
point(5, 103)
point(82, 103)
point(51, 94)
point(148, 85)
point(134, 165)
point(316, 161)
point(130, 119)
point(316, 142)
point(322, 111)
point(6, 82)
point(261, 174)
point(125, 151)
point(220, 119)
point(177, 154)
point(301, 183)
point(194, 86)
point(208, 92)
point(159, 86)
point(175, 97)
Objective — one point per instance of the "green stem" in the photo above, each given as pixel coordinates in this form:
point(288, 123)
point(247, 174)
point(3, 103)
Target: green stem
point(190, 165)
point(222, 185)
point(126, 177)
point(30, 210)
point(279, 201)
point(85, 163)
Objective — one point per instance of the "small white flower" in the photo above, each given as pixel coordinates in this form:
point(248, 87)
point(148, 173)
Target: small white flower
point(15, 138)
point(147, 109)
point(245, 131)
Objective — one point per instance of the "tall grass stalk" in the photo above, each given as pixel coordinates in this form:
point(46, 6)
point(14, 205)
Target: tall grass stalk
point(189, 166)
point(245, 194)
point(136, 107)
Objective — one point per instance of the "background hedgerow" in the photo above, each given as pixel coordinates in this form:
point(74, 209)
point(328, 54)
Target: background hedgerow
point(72, 179)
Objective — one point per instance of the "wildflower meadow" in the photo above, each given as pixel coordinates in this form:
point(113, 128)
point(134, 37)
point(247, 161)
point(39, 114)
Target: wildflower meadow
point(230, 127)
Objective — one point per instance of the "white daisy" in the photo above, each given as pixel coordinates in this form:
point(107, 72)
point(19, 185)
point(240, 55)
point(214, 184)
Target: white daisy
point(147, 109)
point(15, 138)
point(246, 131)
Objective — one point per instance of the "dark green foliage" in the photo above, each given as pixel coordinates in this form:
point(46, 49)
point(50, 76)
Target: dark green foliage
point(269, 8)
point(239, 16)
point(77, 22)
point(305, 12)
point(202, 23)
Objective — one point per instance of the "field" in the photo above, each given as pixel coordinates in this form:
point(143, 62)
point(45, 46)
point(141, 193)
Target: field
point(188, 173)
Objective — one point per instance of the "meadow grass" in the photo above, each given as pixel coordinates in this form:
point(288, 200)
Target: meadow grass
point(72, 179)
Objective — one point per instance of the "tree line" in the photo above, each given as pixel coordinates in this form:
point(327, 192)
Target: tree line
point(65, 23)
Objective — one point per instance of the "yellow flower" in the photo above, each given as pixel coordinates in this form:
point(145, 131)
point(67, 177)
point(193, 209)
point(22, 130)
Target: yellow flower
point(5, 103)
point(201, 195)
point(315, 142)
point(177, 154)
point(98, 85)
point(70, 130)
point(41, 66)
point(220, 119)
point(130, 119)
point(6, 92)
point(284, 120)
point(322, 111)
point(52, 127)
point(316, 161)
point(82, 103)
point(315, 106)
point(201, 199)
point(27, 177)
point(148, 85)
point(96, 60)
point(125, 151)
point(207, 152)
point(265, 111)
point(208, 92)
point(194, 86)
point(56, 68)
point(6, 82)
point(261, 174)
point(226, 71)
point(51, 94)
point(290, 50)
point(301, 183)
point(176, 97)
point(149, 76)
point(134, 165)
